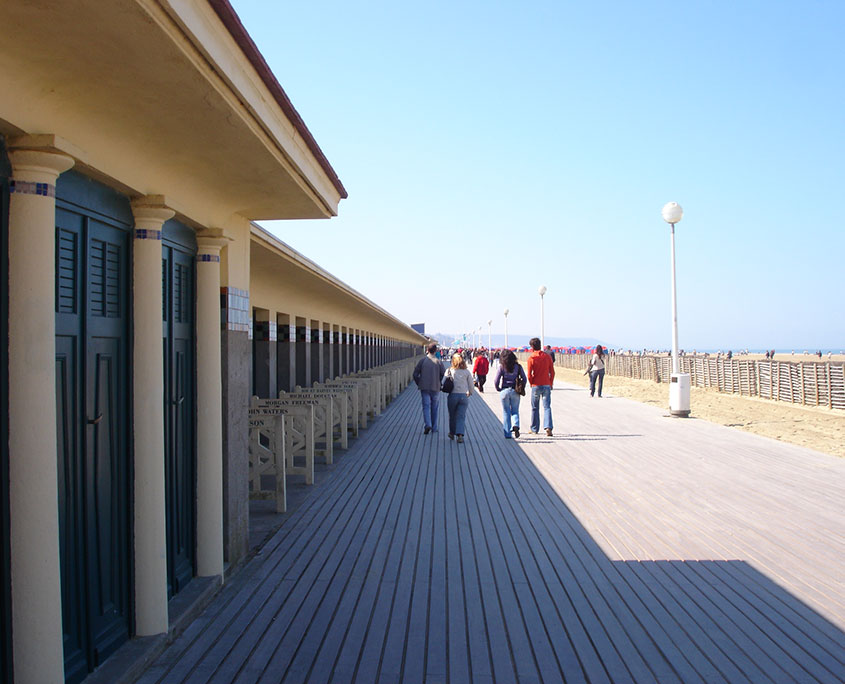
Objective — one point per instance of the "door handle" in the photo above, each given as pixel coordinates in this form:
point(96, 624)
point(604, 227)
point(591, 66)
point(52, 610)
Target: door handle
point(178, 402)
point(96, 420)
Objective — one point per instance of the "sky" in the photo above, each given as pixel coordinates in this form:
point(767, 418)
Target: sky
point(491, 147)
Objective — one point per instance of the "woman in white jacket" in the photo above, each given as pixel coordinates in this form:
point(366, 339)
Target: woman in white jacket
point(596, 370)
point(458, 399)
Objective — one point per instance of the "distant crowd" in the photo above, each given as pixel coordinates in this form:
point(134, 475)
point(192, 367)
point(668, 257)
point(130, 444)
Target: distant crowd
point(434, 376)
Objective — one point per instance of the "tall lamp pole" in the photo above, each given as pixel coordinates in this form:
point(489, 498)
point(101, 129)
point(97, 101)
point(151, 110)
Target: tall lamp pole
point(542, 290)
point(679, 383)
point(489, 335)
point(507, 311)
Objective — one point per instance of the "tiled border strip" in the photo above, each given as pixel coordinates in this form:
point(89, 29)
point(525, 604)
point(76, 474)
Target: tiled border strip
point(30, 188)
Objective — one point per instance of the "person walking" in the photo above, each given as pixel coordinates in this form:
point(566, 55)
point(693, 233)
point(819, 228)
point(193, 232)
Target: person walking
point(596, 369)
point(541, 377)
point(505, 383)
point(428, 374)
point(458, 399)
point(480, 369)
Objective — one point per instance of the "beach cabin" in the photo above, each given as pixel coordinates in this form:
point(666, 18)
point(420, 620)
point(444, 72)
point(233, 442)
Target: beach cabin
point(141, 308)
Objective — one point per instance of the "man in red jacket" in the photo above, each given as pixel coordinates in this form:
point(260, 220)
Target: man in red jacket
point(541, 377)
point(480, 369)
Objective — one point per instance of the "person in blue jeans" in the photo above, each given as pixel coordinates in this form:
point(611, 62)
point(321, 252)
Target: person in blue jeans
point(596, 370)
point(509, 370)
point(428, 374)
point(541, 377)
point(458, 400)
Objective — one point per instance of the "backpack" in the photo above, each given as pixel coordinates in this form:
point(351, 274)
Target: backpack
point(519, 383)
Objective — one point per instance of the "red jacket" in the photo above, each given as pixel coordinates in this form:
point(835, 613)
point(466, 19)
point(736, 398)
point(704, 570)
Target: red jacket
point(541, 369)
point(481, 365)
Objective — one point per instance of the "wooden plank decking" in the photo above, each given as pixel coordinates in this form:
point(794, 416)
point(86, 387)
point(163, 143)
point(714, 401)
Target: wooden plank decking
point(628, 547)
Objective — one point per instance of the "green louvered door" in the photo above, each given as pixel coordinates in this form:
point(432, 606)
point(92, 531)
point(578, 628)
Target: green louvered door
point(93, 393)
point(178, 287)
point(5, 583)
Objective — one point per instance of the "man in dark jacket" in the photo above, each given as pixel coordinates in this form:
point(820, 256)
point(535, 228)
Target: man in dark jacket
point(428, 374)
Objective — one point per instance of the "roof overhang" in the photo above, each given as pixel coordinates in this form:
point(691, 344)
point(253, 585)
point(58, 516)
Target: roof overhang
point(289, 271)
point(160, 95)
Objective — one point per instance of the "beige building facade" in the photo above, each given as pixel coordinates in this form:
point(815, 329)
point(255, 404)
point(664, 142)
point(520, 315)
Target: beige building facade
point(142, 307)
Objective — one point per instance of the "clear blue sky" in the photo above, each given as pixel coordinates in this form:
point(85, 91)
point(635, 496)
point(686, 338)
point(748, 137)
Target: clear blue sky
point(490, 147)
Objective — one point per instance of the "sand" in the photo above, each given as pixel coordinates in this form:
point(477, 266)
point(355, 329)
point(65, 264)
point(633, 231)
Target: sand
point(816, 428)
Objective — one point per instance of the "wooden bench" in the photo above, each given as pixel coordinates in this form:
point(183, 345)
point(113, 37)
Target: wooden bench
point(368, 395)
point(340, 400)
point(281, 442)
point(322, 419)
point(378, 391)
point(356, 402)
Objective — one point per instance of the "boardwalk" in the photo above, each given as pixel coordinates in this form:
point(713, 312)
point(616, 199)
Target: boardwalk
point(628, 547)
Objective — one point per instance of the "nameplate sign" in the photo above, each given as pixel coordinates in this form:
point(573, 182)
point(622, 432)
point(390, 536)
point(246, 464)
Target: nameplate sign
point(279, 403)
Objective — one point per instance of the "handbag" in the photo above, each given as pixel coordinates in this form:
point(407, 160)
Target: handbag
point(519, 383)
point(448, 385)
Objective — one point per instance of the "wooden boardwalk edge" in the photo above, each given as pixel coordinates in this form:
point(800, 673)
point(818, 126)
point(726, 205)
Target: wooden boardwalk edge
point(628, 547)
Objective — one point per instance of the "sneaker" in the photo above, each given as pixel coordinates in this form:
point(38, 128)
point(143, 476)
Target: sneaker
point(534, 432)
point(426, 430)
point(460, 439)
point(516, 430)
point(548, 432)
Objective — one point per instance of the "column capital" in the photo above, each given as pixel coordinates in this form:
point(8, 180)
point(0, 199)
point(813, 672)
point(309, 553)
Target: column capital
point(150, 212)
point(37, 167)
point(214, 234)
point(209, 243)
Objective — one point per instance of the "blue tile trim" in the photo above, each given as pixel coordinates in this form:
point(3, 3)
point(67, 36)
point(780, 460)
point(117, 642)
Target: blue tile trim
point(146, 234)
point(29, 188)
point(209, 257)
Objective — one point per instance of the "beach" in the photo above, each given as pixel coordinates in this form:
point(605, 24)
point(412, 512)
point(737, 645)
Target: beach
point(816, 428)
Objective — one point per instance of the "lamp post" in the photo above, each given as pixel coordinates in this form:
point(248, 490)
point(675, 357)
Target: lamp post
point(489, 335)
point(507, 311)
point(679, 383)
point(542, 290)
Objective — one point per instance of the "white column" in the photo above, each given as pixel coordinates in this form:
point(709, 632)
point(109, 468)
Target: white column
point(209, 410)
point(33, 474)
point(148, 374)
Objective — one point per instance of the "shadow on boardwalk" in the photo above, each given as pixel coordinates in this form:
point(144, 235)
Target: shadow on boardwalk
point(421, 560)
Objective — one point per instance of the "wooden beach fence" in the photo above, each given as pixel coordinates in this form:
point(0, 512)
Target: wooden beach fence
point(794, 382)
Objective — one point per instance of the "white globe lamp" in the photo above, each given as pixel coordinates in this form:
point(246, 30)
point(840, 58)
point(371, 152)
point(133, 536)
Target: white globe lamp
point(679, 383)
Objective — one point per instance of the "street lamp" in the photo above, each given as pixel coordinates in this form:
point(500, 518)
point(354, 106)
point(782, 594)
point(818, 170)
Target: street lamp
point(679, 383)
point(489, 335)
point(542, 290)
point(507, 311)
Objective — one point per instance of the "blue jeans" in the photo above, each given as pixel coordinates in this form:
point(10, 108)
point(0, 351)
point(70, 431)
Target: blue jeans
point(457, 404)
point(430, 402)
point(510, 409)
point(593, 375)
point(544, 391)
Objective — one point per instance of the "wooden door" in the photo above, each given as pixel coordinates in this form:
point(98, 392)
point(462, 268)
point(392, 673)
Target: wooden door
point(179, 297)
point(93, 241)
